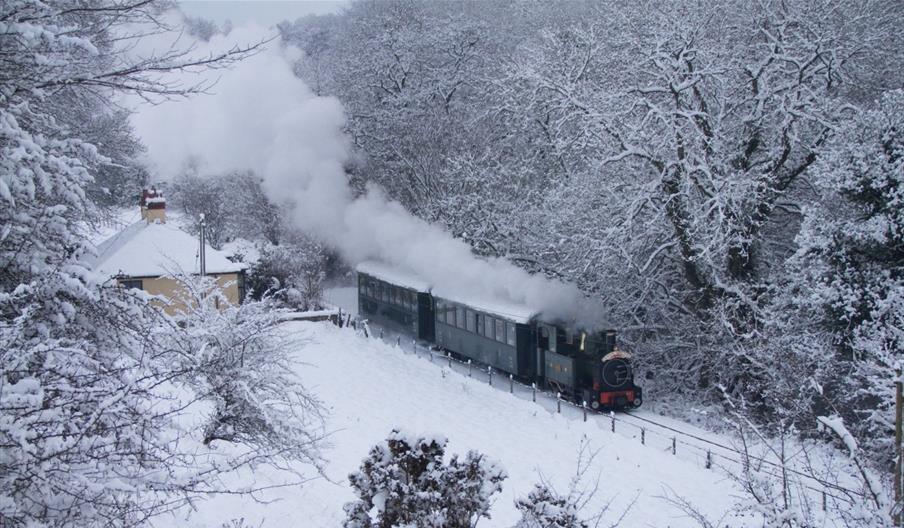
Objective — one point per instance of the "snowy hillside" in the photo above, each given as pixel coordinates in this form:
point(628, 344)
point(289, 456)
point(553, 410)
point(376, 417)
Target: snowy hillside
point(370, 388)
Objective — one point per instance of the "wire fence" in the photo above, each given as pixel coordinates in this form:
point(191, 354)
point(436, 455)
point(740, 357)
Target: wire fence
point(687, 445)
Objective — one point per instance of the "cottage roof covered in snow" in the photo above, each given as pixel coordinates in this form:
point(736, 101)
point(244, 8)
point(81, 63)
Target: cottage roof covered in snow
point(154, 249)
point(510, 310)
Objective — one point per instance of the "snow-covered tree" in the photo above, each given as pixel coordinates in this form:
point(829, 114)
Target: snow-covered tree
point(89, 431)
point(406, 482)
point(851, 265)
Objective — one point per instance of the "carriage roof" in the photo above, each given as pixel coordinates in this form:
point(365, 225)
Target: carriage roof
point(515, 312)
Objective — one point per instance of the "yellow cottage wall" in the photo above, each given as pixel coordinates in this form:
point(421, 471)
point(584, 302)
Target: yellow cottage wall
point(172, 290)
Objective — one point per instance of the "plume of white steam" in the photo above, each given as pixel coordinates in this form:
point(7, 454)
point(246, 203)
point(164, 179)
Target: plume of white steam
point(262, 118)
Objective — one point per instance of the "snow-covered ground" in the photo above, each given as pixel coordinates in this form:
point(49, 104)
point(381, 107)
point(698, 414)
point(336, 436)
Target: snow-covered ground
point(370, 387)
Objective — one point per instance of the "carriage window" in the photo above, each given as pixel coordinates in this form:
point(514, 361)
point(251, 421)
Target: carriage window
point(412, 301)
point(384, 291)
point(479, 324)
point(500, 330)
point(510, 333)
point(471, 321)
point(460, 316)
point(450, 315)
point(488, 326)
point(440, 314)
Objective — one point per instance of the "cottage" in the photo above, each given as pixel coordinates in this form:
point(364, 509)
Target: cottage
point(147, 253)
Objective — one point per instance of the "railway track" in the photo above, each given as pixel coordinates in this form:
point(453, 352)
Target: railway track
point(695, 447)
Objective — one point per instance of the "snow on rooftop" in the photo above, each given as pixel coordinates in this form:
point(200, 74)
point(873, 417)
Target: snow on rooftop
point(152, 250)
point(515, 312)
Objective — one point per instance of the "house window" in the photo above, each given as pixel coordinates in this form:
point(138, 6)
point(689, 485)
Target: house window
point(241, 284)
point(500, 330)
point(471, 321)
point(488, 326)
point(510, 333)
point(132, 284)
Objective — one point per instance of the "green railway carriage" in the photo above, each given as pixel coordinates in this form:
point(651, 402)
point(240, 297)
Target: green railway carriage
point(582, 366)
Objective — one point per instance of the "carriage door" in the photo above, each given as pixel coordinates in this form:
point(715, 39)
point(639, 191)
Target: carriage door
point(543, 340)
point(426, 317)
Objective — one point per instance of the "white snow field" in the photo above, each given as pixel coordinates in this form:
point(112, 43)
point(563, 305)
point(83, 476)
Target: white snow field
point(370, 387)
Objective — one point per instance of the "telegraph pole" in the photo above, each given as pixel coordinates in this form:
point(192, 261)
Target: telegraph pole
point(203, 245)
point(898, 453)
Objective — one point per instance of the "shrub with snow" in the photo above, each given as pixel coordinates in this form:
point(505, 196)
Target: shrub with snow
point(544, 508)
point(406, 482)
point(236, 359)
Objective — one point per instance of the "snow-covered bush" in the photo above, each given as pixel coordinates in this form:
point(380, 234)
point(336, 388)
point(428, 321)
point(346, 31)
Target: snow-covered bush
point(235, 358)
point(406, 482)
point(544, 508)
point(292, 273)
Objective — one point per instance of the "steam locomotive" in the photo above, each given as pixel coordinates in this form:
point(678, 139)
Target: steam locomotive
point(582, 366)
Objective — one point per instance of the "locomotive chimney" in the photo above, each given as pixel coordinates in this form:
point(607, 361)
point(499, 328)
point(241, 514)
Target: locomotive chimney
point(610, 340)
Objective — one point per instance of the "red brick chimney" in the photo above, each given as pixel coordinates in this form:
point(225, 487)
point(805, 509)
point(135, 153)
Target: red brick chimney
point(153, 206)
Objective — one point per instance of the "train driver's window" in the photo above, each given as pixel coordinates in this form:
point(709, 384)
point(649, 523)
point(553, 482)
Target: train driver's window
point(472, 320)
point(543, 338)
point(440, 313)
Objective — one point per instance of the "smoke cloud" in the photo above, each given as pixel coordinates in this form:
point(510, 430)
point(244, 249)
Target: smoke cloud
point(260, 117)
